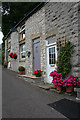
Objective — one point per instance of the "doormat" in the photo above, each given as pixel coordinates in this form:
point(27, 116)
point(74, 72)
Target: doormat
point(68, 108)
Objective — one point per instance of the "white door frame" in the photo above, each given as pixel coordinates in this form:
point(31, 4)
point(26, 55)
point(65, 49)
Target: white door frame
point(50, 67)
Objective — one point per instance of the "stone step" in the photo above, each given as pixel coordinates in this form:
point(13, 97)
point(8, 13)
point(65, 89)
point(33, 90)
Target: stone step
point(30, 76)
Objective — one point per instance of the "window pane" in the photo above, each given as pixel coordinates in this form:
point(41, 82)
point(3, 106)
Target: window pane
point(52, 55)
point(23, 47)
point(50, 61)
point(9, 43)
point(54, 58)
point(54, 49)
point(23, 51)
point(23, 34)
point(22, 55)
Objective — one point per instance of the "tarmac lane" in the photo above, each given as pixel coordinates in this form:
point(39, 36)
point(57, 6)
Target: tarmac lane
point(20, 99)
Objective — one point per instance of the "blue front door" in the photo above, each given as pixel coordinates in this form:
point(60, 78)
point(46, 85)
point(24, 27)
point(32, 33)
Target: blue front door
point(36, 54)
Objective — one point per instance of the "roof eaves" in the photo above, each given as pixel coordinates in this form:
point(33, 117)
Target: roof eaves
point(38, 7)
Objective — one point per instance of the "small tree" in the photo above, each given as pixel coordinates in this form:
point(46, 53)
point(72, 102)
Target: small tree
point(64, 59)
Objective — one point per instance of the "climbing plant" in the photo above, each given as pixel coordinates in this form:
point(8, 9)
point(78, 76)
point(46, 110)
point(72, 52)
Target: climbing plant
point(64, 59)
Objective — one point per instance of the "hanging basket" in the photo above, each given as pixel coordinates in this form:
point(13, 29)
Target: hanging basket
point(15, 57)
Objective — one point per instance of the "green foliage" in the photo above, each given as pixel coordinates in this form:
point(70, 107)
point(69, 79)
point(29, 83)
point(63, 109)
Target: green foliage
point(16, 11)
point(21, 68)
point(64, 59)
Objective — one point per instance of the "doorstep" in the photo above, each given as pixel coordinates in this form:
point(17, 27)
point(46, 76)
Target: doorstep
point(30, 76)
point(40, 84)
point(43, 85)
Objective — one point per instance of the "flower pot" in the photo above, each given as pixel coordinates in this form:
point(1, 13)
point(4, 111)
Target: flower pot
point(54, 86)
point(69, 89)
point(59, 88)
point(38, 75)
point(21, 72)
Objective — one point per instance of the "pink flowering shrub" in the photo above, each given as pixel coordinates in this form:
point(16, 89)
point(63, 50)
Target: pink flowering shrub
point(58, 80)
point(53, 73)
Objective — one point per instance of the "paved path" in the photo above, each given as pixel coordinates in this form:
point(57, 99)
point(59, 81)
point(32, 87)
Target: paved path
point(21, 99)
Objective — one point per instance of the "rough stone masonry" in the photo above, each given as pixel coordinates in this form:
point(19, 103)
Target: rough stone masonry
point(54, 18)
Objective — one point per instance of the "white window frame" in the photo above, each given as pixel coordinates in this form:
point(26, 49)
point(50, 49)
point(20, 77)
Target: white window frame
point(9, 44)
point(53, 52)
point(22, 51)
point(22, 29)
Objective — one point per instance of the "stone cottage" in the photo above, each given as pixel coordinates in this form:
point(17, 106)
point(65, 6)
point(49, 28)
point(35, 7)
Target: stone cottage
point(37, 35)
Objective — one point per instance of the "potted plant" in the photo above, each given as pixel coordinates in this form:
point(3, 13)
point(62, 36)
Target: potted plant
point(68, 83)
point(21, 70)
point(53, 74)
point(38, 73)
point(14, 56)
point(57, 78)
point(58, 83)
point(76, 82)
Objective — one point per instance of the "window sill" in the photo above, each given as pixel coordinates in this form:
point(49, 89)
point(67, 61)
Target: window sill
point(22, 60)
point(22, 41)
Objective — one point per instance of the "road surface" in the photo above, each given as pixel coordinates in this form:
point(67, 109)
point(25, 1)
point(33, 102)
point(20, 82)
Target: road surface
point(21, 99)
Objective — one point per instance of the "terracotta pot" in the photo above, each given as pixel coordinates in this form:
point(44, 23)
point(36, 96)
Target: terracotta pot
point(69, 89)
point(59, 88)
point(21, 72)
point(54, 86)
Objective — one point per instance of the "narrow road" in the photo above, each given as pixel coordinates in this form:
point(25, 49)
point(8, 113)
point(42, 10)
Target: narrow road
point(21, 99)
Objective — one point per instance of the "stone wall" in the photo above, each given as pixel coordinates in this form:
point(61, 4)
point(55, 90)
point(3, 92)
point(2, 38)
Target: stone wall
point(60, 19)
point(35, 27)
point(64, 18)
point(15, 49)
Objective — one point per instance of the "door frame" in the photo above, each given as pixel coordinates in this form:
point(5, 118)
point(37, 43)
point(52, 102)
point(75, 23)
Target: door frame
point(33, 53)
point(47, 54)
